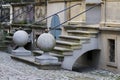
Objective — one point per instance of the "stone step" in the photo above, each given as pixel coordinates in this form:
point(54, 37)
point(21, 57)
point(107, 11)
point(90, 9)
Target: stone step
point(9, 37)
point(3, 47)
point(75, 39)
point(76, 22)
point(62, 51)
point(82, 33)
point(69, 45)
point(82, 27)
point(31, 61)
point(7, 42)
point(94, 28)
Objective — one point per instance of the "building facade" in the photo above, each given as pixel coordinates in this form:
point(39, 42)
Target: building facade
point(87, 34)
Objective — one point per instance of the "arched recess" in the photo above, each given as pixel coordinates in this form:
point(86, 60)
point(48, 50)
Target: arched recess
point(88, 61)
point(55, 21)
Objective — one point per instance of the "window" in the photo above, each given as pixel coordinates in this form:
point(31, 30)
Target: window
point(111, 43)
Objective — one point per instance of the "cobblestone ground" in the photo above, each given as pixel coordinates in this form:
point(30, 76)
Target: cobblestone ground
point(14, 70)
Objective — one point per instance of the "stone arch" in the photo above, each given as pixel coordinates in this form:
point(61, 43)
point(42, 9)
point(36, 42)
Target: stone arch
point(89, 60)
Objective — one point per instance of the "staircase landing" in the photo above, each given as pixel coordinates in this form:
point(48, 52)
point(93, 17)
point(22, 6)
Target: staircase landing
point(31, 61)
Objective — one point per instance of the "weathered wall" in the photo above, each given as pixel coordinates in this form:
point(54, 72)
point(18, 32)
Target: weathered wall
point(104, 55)
point(110, 12)
point(40, 12)
point(113, 11)
point(93, 1)
point(19, 18)
point(52, 8)
point(93, 16)
point(76, 10)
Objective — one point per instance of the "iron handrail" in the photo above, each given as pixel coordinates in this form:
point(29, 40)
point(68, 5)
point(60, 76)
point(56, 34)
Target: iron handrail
point(75, 16)
point(66, 20)
point(57, 13)
point(60, 12)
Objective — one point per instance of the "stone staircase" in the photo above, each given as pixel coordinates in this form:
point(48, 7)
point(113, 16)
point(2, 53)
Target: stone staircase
point(69, 47)
point(74, 39)
point(78, 40)
point(6, 39)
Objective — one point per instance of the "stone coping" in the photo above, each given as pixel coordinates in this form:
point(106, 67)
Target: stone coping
point(28, 26)
point(96, 26)
point(114, 27)
point(112, 0)
point(110, 24)
point(109, 29)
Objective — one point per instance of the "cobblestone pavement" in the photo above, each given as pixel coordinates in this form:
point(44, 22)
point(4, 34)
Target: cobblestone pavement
point(14, 70)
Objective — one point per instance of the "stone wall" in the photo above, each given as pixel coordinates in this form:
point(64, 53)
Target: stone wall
point(53, 8)
point(77, 10)
point(93, 1)
point(40, 12)
point(110, 13)
point(105, 62)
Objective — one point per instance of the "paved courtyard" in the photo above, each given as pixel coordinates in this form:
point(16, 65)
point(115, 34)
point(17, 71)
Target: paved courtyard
point(14, 70)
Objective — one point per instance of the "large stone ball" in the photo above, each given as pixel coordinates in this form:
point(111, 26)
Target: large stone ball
point(46, 42)
point(20, 37)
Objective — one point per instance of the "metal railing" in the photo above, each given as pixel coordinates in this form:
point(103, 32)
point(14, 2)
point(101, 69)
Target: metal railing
point(59, 13)
point(75, 16)
point(68, 19)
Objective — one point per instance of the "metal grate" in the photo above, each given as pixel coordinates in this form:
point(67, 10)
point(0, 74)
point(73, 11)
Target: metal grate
point(111, 50)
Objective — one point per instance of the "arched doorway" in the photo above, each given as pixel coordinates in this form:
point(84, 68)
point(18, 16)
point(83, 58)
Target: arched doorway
point(88, 61)
point(55, 21)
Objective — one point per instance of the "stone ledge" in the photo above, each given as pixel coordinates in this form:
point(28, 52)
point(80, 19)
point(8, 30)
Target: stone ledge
point(109, 29)
point(110, 24)
point(96, 26)
point(112, 0)
point(31, 61)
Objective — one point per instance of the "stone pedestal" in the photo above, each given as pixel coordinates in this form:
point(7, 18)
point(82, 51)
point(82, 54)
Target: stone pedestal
point(46, 59)
point(46, 43)
point(21, 51)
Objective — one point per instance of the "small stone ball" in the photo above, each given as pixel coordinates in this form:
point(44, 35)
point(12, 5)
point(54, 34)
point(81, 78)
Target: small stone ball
point(20, 38)
point(46, 42)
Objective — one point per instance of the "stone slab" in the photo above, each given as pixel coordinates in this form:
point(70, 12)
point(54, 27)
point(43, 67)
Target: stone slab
point(31, 61)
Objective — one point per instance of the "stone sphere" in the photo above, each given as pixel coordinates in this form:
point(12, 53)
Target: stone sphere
point(46, 42)
point(20, 37)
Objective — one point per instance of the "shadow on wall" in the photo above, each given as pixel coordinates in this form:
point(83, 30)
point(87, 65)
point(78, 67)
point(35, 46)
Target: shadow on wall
point(88, 61)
